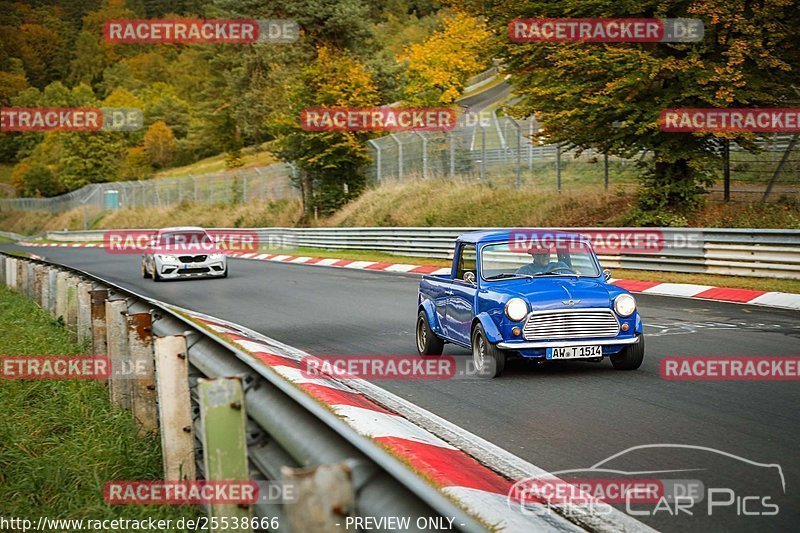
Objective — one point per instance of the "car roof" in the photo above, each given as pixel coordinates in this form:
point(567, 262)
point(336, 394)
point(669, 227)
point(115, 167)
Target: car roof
point(508, 235)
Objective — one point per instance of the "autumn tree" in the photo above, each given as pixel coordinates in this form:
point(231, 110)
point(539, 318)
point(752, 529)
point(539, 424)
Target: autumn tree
point(608, 96)
point(160, 145)
point(330, 163)
point(439, 67)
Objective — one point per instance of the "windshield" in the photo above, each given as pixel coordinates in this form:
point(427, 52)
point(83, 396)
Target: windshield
point(502, 261)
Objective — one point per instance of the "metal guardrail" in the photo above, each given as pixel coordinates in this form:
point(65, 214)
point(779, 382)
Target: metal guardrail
point(766, 253)
point(285, 426)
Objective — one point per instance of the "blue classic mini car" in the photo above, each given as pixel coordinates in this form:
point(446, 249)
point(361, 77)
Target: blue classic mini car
point(539, 294)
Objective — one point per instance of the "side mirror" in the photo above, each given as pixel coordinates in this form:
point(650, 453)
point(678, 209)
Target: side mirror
point(607, 274)
point(469, 277)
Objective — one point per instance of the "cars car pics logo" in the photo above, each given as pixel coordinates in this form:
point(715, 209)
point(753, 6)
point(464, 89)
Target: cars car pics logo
point(236, 31)
point(70, 119)
point(378, 119)
point(212, 241)
point(605, 30)
point(644, 492)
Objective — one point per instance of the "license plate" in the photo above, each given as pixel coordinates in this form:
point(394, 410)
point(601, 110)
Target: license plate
point(574, 352)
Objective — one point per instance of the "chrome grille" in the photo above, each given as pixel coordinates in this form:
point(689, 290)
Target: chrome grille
point(570, 324)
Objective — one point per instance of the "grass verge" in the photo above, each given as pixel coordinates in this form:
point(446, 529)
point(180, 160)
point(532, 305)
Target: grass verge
point(734, 282)
point(61, 441)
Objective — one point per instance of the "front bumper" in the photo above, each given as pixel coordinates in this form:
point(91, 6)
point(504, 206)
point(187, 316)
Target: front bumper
point(526, 345)
point(176, 270)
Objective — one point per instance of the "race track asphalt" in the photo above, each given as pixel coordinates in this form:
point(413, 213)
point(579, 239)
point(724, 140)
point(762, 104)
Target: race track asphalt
point(563, 417)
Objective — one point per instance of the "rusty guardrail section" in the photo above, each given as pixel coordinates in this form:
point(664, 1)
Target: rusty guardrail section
point(167, 368)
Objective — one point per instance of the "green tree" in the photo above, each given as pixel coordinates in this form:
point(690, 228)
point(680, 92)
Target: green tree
point(609, 96)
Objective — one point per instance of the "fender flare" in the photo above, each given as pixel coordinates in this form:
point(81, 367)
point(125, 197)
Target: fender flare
point(492, 332)
point(433, 320)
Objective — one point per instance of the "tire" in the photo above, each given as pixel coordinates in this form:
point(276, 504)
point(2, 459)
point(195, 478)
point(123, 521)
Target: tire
point(489, 360)
point(156, 277)
point(145, 273)
point(225, 274)
point(631, 357)
point(427, 341)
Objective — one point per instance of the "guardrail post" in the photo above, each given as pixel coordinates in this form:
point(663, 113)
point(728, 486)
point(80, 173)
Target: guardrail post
point(20, 288)
point(11, 280)
point(38, 282)
point(84, 312)
point(175, 408)
point(4, 270)
point(52, 289)
point(325, 496)
point(140, 342)
point(71, 307)
point(61, 296)
point(98, 320)
point(117, 345)
point(223, 419)
point(29, 278)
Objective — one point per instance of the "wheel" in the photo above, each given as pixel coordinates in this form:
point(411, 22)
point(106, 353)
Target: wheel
point(489, 360)
point(630, 358)
point(145, 274)
point(427, 341)
point(156, 276)
point(225, 274)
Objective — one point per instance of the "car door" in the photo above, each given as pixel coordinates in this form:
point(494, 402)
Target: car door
point(461, 300)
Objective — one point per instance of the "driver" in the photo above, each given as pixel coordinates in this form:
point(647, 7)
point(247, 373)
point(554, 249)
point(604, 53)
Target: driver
point(539, 263)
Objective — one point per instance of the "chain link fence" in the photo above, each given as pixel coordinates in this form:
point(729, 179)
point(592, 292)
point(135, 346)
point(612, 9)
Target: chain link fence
point(271, 182)
point(504, 151)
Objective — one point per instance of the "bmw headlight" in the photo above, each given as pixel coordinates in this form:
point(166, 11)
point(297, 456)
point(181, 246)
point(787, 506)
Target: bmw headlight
point(624, 305)
point(516, 309)
point(168, 258)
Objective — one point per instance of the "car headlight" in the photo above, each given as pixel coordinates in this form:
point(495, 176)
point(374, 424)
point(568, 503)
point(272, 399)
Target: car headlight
point(168, 257)
point(516, 309)
point(624, 305)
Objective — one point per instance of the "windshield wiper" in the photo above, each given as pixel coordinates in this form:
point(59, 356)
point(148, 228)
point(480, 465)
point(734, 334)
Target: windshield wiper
point(506, 275)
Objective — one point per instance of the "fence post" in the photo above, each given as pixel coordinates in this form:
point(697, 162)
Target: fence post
point(399, 155)
point(61, 295)
point(518, 160)
point(452, 138)
point(558, 167)
point(605, 171)
point(71, 308)
point(778, 170)
point(143, 389)
point(377, 159)
point(175, 408)
point(424, 154)
point(52, 290)
point(483, 152)
point(726, 169)
point(223, 419)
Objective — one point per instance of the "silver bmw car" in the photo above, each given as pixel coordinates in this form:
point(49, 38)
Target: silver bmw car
point(183, 252)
